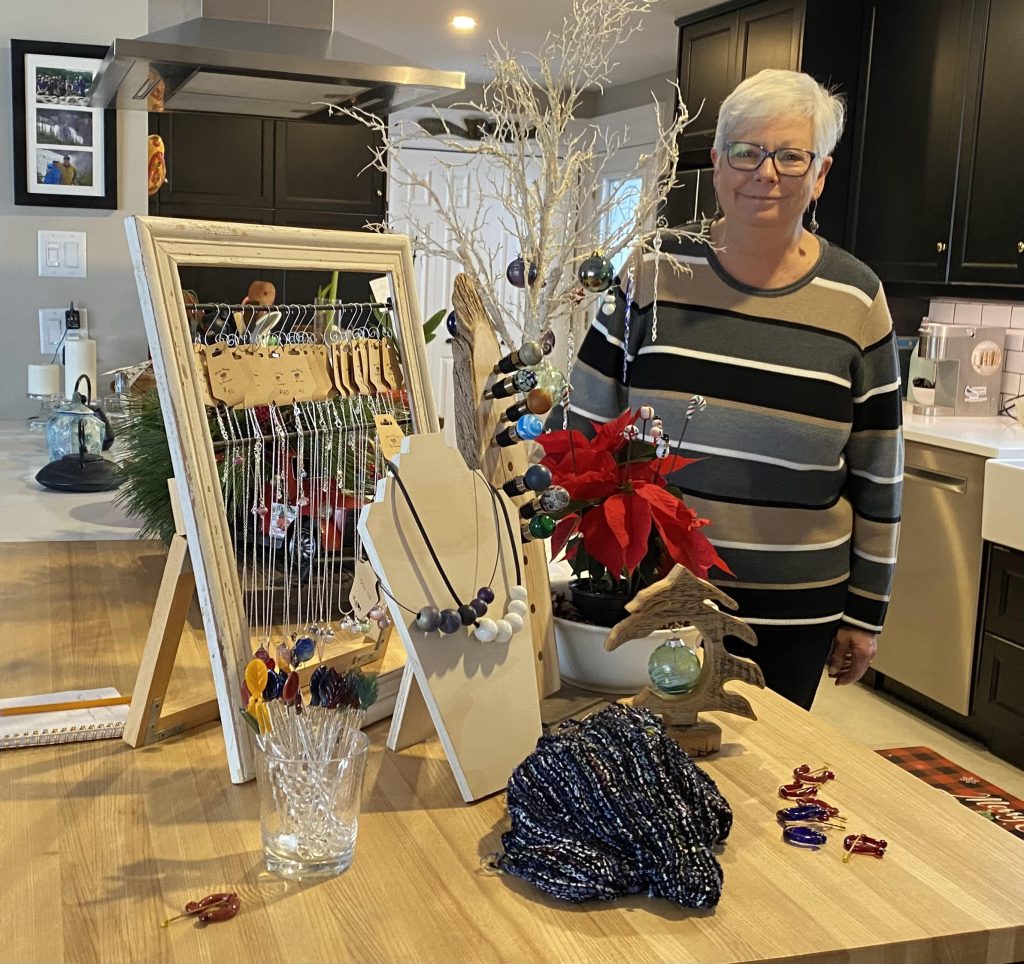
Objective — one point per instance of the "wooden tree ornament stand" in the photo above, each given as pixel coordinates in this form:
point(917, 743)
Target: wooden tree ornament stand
point(477, 421)
point(681, 597)
point(147, 723)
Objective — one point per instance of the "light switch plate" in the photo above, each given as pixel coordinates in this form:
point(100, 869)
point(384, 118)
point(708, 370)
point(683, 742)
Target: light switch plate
point(51, 328)
point(62, 254)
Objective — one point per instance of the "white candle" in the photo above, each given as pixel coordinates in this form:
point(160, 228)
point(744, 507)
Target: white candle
point(79, 359)
point(44, 379)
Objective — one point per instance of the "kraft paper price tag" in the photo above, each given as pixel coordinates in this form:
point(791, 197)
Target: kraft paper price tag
point(341, 365)
point(295, 364)
point(203, 371)
point(374, 352)
point(389, 435)
point(228, 379)
point(361, 366)
point(259, 387)
point(316, 359)
point(364, 594)
point(392, 365)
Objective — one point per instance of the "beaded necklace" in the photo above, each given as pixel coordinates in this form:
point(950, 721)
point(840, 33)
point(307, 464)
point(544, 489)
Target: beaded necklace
point(430, 618)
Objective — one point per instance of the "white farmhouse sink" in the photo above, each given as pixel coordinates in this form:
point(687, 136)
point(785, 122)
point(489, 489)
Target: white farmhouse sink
point(1002, 511)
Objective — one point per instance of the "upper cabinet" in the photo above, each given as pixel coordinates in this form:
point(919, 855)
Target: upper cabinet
point(821, 37)
point(937, 194)
point(296, 173)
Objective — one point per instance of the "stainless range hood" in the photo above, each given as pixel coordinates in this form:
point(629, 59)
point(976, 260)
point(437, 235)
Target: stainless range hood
point(257, 67)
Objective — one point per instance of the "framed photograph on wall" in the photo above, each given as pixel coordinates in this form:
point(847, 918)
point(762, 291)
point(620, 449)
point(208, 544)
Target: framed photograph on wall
point(65, 152)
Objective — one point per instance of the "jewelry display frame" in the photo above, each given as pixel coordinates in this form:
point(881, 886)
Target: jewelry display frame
point(158, 246)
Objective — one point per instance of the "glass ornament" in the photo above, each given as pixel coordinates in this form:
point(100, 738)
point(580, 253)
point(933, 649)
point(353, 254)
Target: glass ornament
point(515, 621)
point(554, 499)
point(452, 323)
point(450, 622)
point(467, 615)
point(550, 378)
point(547, 342)
point(630, 432)
point(537, 477)
point(486, 594)
point(596, 273)
point(647, 412)
point(303, 650)
point(517, 607)
point(504, 631)
point(428, 619)
point(518, 592)
point(663, 447)
point(517, 274)
point(673, 667)
point(529, 427)
point(478, 606)
point(524, 379)
point(486, 630)
point(541, 526)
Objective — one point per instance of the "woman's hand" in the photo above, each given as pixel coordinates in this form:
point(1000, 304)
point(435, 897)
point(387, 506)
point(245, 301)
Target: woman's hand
point(852, 650)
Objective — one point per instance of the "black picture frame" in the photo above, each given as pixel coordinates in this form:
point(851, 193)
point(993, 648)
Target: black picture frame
point(61, 125)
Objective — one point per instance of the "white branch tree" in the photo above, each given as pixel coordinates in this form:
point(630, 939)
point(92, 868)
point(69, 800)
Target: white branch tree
point(550, 162)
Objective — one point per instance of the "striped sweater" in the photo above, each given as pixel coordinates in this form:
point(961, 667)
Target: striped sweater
point(801, 444)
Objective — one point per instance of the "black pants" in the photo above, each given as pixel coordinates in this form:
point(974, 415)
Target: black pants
point(791, 657)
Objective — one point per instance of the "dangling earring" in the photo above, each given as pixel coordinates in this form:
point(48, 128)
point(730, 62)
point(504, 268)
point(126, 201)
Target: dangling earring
point(813, 223)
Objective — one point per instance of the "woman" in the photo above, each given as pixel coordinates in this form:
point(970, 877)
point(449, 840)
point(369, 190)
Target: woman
point(790, 341)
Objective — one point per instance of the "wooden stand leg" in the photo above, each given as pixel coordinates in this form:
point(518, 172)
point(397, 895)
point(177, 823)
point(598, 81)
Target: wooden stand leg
point(145, 724)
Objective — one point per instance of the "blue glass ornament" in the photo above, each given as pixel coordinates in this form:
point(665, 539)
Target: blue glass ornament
point(303, 650)
point(478, 606)
point(524, 379)
point(673, 667)
point(529, 427)
point(537, 477)
point(807, 811)
point(452, 323)
point(485, 594)
point(450, 623)
point(517, 273)
point(315, 681)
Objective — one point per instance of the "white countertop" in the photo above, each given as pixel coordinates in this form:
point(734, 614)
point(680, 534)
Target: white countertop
point(1002, 512)
point(32, 513)
point(997, 437)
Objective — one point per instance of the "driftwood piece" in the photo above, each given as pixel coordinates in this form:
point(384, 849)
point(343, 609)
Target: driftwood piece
point(681, 597)
point(477, 420)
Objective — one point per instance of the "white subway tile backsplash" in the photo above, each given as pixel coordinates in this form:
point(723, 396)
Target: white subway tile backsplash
point(1017, 316)
point(941, 312)
point(996, 315)
point(967, 313)
point(1010, 384)
point(1014, 362)
point(1015, 339)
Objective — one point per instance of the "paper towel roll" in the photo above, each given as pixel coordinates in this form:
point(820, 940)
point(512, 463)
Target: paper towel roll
point(44, 379)
point(79, 359)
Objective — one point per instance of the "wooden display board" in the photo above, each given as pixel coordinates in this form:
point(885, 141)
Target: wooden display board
point(158, 246)
point(480, 697)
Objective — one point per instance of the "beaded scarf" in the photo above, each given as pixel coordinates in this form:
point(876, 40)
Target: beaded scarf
point(612, 806)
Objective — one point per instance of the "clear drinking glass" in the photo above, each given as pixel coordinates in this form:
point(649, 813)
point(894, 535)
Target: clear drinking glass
point(309, 810)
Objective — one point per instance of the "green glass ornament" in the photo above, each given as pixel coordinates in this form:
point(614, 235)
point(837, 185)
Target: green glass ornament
point(541, 526)
point(596, 273)
point(550, 379)
point(673, 667)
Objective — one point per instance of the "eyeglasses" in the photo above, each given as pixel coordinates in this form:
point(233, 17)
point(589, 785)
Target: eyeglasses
point(788, 161)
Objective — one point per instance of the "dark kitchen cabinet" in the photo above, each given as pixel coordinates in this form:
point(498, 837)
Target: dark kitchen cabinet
point(738, 40)
point(999, 684)
point(301, 174)
point(988, 228)
point(937, 181)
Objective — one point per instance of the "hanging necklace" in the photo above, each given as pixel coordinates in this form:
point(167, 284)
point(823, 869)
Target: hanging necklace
point(447, 621)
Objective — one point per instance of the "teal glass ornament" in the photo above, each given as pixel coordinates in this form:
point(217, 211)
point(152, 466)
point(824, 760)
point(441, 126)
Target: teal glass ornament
point(673, 667)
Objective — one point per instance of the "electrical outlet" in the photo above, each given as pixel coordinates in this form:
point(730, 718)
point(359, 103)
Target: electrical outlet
point(51, 328)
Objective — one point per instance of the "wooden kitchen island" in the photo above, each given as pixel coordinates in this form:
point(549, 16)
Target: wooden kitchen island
point(100, 842)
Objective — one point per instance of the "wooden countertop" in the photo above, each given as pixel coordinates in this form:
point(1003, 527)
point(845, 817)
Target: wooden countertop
point(101, 842)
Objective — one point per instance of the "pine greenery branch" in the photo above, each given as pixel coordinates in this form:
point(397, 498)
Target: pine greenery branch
point(146, 469)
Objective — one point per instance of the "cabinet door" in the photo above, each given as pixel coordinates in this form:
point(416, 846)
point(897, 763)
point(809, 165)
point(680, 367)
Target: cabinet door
point(988, 235)
point(768, 36)
point(216, 159)
point(707, 60)
point(320, 167)
point(911, 112)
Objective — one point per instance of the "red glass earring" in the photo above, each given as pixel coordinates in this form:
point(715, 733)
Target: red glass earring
point(798, 791)
point(804, 774)
point(859, 843)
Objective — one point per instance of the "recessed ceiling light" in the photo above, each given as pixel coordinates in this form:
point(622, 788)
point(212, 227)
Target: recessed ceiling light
point(464, 23)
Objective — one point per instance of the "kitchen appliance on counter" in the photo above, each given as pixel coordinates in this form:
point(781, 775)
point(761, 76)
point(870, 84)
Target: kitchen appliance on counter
point(957, 370)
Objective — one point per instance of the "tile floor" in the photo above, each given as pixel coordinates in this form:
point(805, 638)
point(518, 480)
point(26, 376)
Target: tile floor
point(880, 721)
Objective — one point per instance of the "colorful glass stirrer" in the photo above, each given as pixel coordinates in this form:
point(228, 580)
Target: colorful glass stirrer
point(210, 909)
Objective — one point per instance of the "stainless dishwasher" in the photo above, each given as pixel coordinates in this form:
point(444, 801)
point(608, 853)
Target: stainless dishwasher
point(928, 641)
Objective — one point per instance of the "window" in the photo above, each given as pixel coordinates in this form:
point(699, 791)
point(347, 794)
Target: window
point(625, 193)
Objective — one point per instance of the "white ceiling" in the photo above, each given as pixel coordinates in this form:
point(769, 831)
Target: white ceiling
point(419, 31)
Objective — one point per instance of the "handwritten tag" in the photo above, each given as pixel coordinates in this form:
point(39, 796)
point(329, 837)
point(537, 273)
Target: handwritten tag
point(227, 378)
point(203, 373)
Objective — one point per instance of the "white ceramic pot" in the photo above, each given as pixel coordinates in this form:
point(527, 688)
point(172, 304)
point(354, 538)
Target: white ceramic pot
point(584, 662)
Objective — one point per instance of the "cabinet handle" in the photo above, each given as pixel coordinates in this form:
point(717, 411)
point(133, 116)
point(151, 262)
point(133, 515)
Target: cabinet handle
point(1020, 247)
point(380, 193)
point(940, 246)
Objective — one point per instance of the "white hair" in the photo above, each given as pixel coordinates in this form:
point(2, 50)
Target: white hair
point(782, 95)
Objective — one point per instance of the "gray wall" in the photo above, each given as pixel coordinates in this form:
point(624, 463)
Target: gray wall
point(109, 291)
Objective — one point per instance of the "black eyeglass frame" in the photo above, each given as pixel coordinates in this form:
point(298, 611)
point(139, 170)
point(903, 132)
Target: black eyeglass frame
point(765, 153)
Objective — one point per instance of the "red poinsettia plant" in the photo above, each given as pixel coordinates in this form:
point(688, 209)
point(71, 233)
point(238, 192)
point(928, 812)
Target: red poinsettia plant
point(625, 526)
